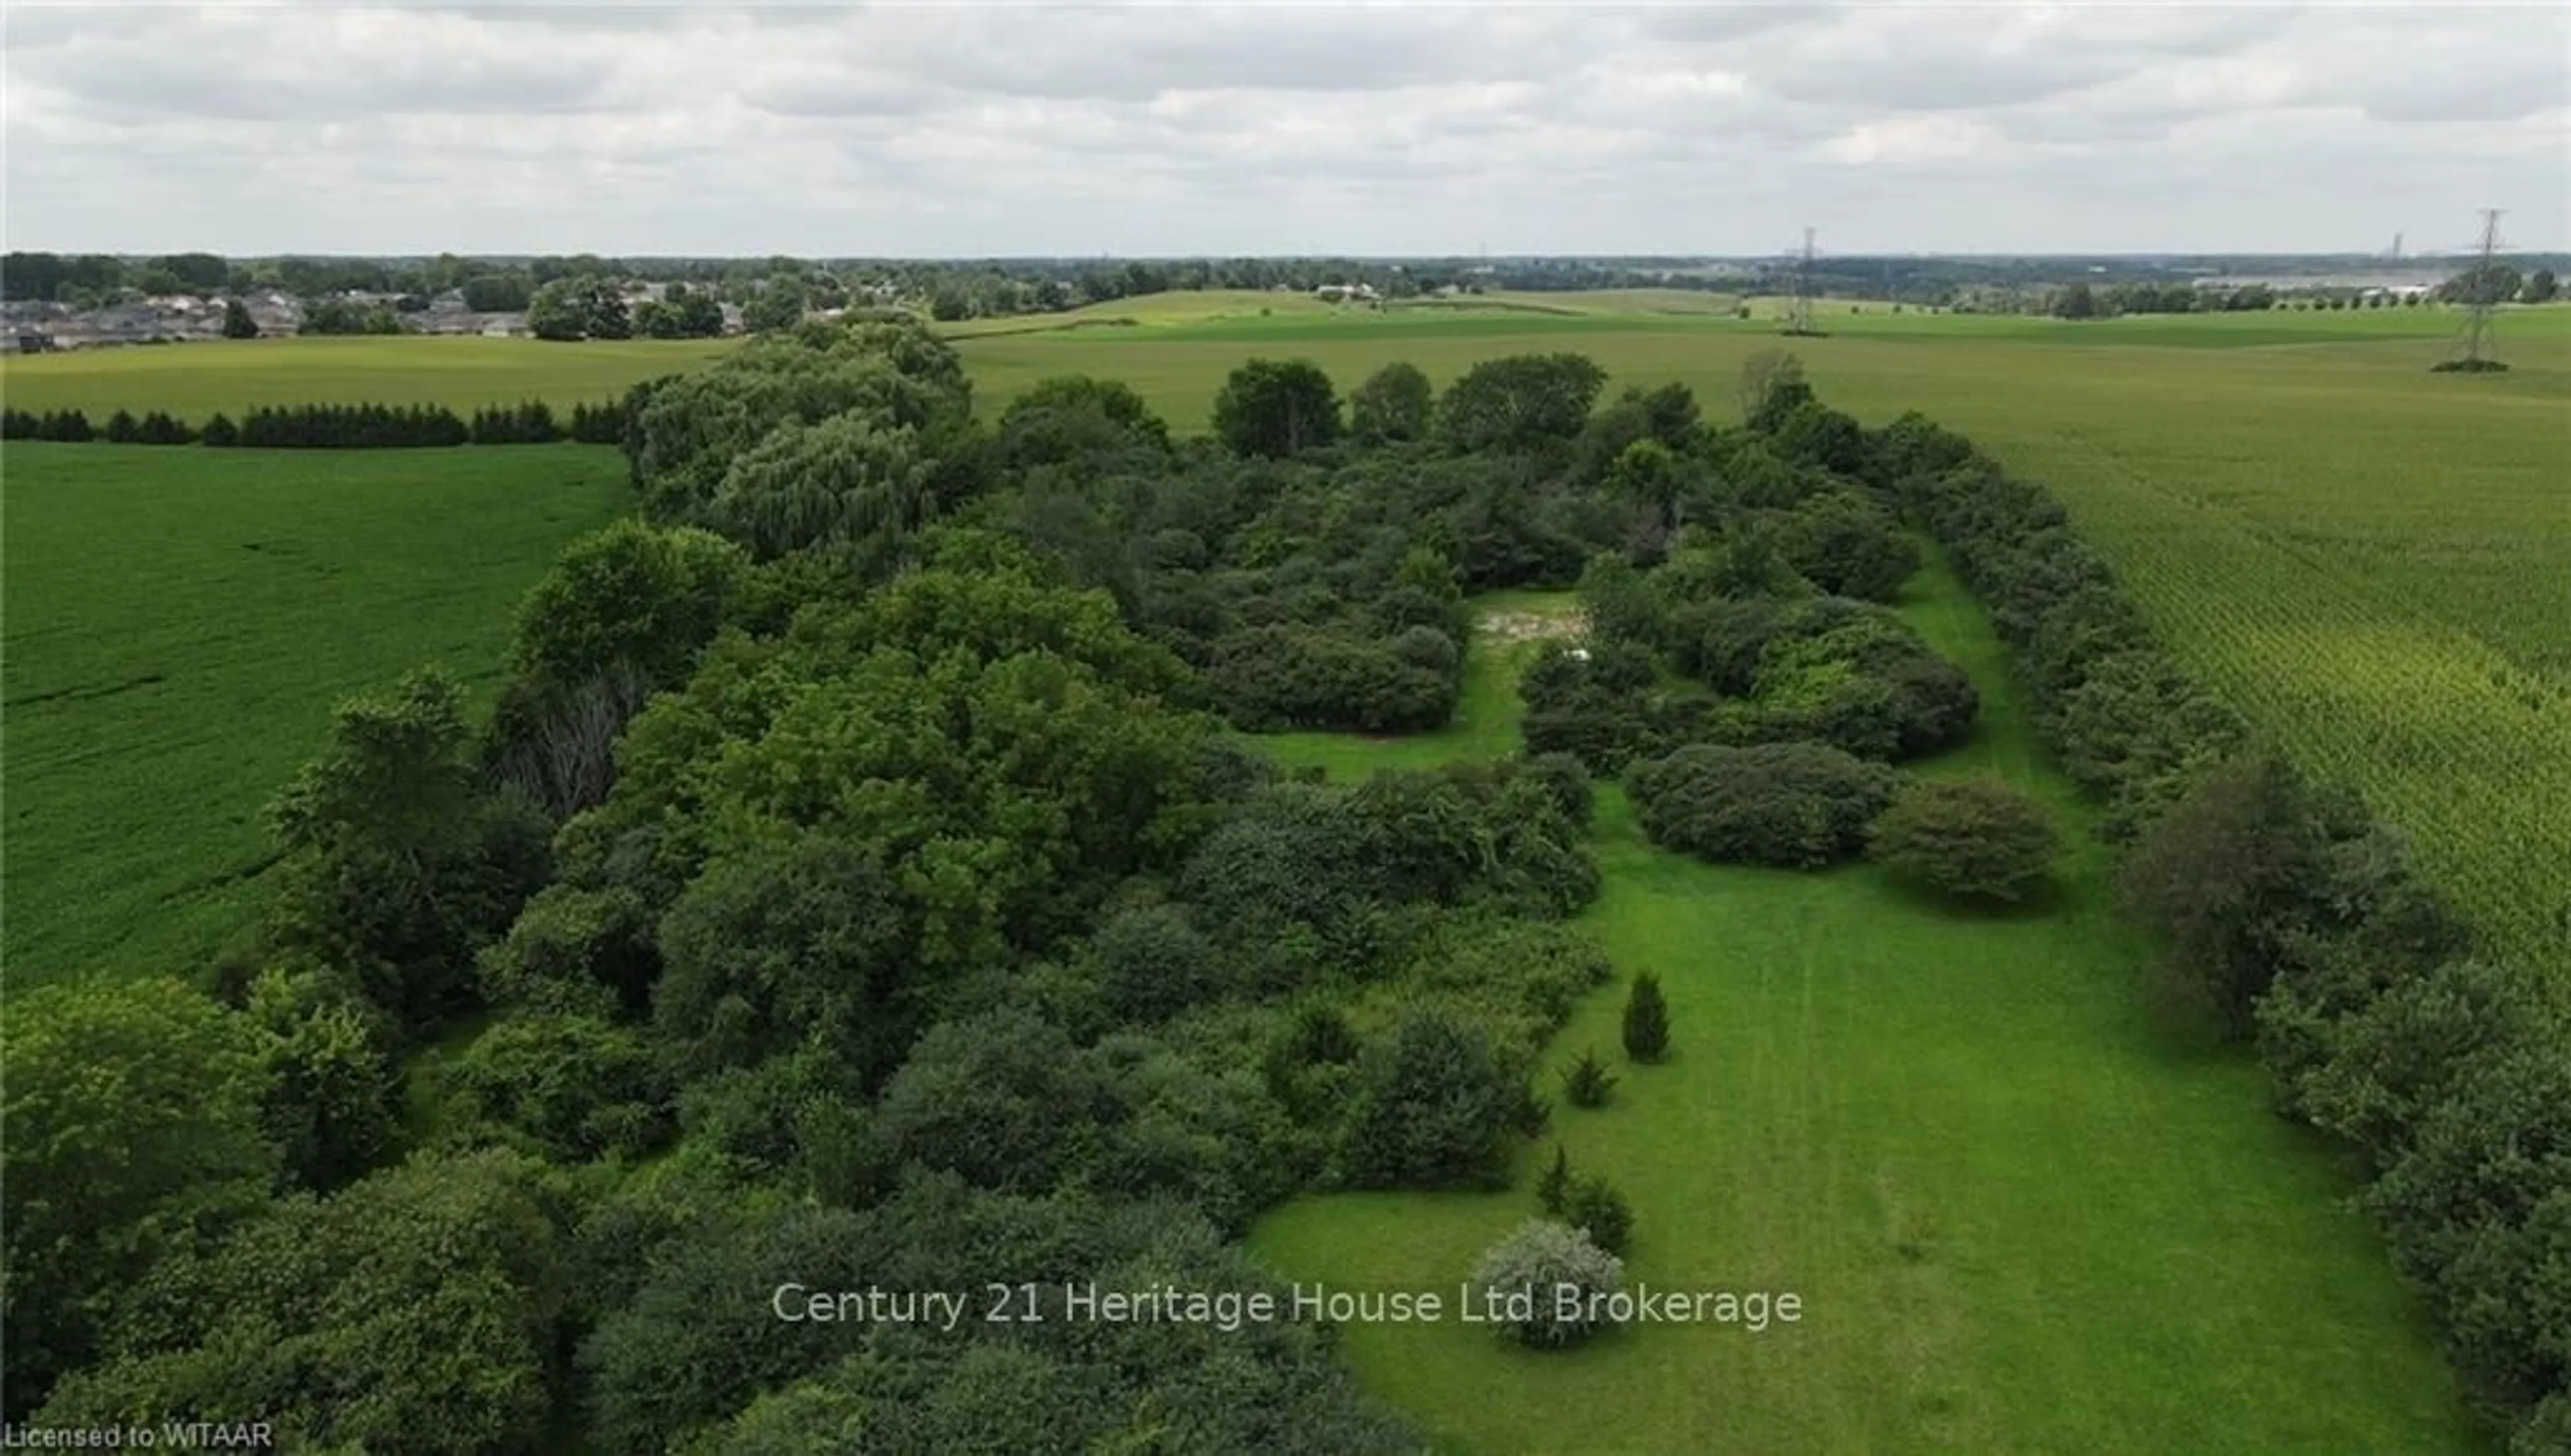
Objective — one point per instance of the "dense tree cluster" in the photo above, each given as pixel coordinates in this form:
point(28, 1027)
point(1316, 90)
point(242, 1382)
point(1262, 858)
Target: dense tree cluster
point(349, 427)
point(586, 306)
point(332, 426)
point(345, 315)
point(530, 423)
point(2293, 919)
point(851, 887)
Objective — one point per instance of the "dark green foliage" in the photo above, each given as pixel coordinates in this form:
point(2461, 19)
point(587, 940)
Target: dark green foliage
point(401, 860)
point(221, 433)
point(599, 424)
point(995, 1099)
point(1276, 408)
point(1566, 782)
point(531, 423)
point(2220, 877)
point(498, 292)
point(1154, 961)
point(579, 307)
point(1587, 1082)
point(1978, 839)
point(1290, 677)
point(1554, 1188)
point(122, 428)
point(1646, 1020)
point(351, 428)
point(1076, 418)
point(65, 425)
point(1849, 546)
point(1394, 403)
point(798, 944)
point(1598, 1208)
point(349, 316)
point(1797, 806)
point(1434, 1104)
point(161, 428)
point(19, 424)
point(237, 320)
point(1519, 402)
point(418, 1310)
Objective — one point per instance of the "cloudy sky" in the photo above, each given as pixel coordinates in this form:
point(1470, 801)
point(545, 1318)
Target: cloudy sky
point(1237, 128)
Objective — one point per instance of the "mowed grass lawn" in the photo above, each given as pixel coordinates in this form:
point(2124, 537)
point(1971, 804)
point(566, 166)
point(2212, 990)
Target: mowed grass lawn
point(2372, 561)
point(178, 624)
point(2018, 1217)
point(194, 380)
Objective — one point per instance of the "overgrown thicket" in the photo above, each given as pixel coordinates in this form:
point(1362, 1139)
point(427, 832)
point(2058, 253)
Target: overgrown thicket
point(857, 884)
point(2294, 920)
point(331, 427)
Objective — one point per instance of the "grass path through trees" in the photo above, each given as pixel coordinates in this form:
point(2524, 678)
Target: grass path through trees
point(2019, 1215)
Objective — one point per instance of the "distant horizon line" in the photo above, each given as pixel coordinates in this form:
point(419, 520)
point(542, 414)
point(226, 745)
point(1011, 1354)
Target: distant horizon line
point(497, 256)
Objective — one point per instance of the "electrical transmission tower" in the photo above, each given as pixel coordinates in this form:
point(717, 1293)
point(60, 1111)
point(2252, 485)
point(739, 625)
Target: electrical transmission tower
point(1799, 312)
point(2481, 297)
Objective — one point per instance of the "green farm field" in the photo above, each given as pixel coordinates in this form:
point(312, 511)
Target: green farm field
point(194, 380)
point(2017, 1217)
point(2372, 561)
point(178, 625)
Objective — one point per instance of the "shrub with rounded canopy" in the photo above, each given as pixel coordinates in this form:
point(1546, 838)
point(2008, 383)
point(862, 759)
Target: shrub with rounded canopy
point(1542, 1263)
point(1978, 839)
point(629, 593)
point(1276, 407)
point(1433, 1101)
point(1798, 805)
point(1394, 403)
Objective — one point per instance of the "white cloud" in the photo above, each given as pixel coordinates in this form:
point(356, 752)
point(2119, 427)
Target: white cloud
point(966, 129)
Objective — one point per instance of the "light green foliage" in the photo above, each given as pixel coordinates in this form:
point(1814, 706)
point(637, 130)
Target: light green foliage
point(332, 1082)
point(1533, 1265)
point(628, 594)
point(843, 480)
point(1394, 403)
point(134, 1115)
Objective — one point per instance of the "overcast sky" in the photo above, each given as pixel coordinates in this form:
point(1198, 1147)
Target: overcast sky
point(952, 131)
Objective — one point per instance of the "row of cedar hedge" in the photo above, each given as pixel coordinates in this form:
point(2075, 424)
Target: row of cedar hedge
point(2293, 919)
point(332, 428)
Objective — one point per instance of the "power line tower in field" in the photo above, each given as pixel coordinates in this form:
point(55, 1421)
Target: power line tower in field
point(1799, 312)
point(2481, 300)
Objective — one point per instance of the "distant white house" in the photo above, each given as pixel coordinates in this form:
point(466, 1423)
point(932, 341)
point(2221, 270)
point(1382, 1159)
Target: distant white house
point(1345, 292)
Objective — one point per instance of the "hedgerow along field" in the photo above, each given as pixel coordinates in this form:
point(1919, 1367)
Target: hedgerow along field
point(2018, 1215)
point(194, 380)
point(179, 623)
point(2372, 561)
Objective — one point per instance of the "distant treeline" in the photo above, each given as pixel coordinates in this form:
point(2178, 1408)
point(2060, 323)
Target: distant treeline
point(331, 427)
